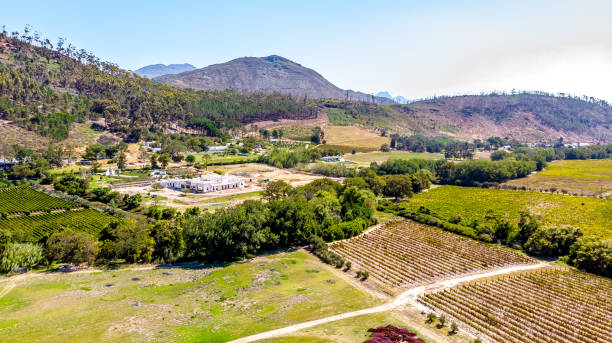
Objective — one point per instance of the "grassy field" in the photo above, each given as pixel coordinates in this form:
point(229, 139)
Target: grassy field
point(364, 159)
point(592, 215)
point(354, 137)
point(212, 159)
point(584, 177)
point(176, 304)
point(342, 331)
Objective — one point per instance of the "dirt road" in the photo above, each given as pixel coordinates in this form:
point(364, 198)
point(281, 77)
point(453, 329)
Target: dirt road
point(408, 297)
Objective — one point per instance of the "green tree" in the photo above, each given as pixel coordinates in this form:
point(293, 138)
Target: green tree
point(130, 240)
point(164, 159)
point(73, 247)
point(276, 190)
point(153, 160)
point(121, 160)
point(190, 159)
point(169, 244)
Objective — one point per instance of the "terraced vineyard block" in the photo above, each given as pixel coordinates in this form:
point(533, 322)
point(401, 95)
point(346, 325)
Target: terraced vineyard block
point(406, 253)
point(547, 305)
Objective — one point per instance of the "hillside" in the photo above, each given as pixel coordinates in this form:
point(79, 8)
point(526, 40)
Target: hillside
point(47, 90)
point(265, 74)
point(526, 117)
point(155, 70)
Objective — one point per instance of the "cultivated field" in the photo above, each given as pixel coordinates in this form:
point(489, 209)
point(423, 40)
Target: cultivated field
point(354, 138)
point(582, 177)
point(549, 305)
point(593, 216)
point(364, 159)
point(41, 225)
point(25, 199)
point(406, 253)
point(176, 304)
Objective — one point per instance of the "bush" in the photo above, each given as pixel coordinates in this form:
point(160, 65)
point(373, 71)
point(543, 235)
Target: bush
point(552, 241)
point(20, 255)
point(592, 255)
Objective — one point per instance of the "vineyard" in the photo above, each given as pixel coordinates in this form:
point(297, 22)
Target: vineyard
point(406, 253)
point(41, 225)
point(23, 199)
point(470, 203)
point(550, 305)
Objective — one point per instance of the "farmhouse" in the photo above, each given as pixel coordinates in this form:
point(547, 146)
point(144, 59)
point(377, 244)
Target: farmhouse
point(205, 183)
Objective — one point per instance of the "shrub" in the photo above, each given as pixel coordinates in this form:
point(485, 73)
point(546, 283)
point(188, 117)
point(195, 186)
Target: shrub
point(21, 255)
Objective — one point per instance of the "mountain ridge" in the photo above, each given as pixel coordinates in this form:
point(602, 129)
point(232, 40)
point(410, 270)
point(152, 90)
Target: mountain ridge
point(155, 70)
point(265, 74)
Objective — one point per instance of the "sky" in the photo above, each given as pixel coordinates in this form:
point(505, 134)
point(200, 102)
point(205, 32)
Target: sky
point(415, 49)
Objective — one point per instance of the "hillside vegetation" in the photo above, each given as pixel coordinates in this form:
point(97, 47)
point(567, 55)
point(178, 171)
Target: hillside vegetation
point(46, 88)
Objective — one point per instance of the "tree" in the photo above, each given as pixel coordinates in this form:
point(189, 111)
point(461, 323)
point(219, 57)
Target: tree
point(431, 317)
point(128, 239)
point(153, 160)
point(164, 159)
point(121, 161)
point(276, 190)
point(131, 201)
point(552, 241)
point(21, 255)
point(398, 186)
point(454, 328)
point(169, 244)
point(593, 255)
point(94, 152)
point(73, 247)
point(190, 159)
point(385, 148)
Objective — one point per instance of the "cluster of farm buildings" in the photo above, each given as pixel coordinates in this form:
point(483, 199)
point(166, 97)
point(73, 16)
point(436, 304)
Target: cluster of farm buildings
point(205, 183)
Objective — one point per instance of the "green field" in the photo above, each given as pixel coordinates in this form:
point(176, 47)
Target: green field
point(26, 199)
point(176, 304)
point(583, 177)
point(364, 159)
point(592, 215)
point(37, 226)
point(212, 159)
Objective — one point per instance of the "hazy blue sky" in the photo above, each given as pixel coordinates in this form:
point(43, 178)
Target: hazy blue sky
point(410, 48)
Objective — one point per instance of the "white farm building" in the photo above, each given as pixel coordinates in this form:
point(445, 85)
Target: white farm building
point(205, 183)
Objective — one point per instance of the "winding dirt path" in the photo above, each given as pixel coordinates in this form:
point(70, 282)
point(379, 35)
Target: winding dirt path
point(408, 297)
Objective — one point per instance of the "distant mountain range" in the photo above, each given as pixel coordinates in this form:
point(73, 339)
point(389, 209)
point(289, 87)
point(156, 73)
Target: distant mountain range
point(399, 99)
point(265, 74)
point(155, 70)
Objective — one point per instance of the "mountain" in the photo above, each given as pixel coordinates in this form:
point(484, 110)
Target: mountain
point(265, 74)
point(155, 70)
point(399, 99)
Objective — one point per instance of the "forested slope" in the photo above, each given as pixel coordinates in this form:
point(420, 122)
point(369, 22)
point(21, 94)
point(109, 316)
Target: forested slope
point(46, 87)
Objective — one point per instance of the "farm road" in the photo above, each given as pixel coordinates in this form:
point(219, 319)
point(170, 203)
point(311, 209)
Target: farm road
point(408, 297)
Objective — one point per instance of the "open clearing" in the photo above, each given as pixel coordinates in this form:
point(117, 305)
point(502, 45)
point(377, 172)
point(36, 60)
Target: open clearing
point(404, 253)
point(583, 177)
point(255, 174)
point(364, 159)
point(547, 305)
point(177, 304)
point(354, 137)
point(592, 215)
